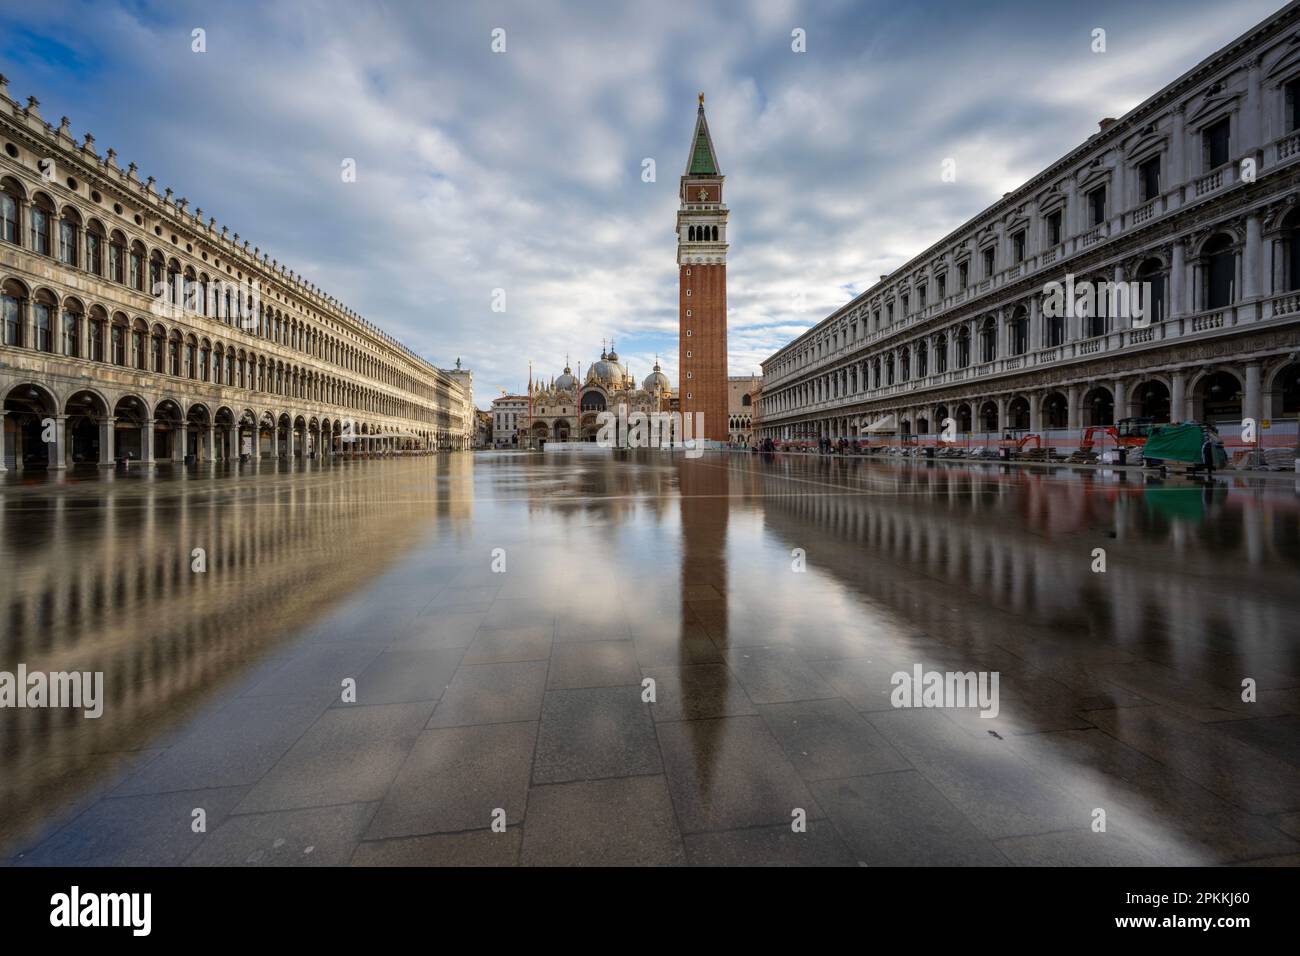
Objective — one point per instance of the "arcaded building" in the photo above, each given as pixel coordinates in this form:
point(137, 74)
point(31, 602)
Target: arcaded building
point(1190, 199)
point(134, 328)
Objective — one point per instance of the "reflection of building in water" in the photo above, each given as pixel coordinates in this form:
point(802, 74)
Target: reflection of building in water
point(1190, 198)
point(98, 578)
point(986, 558)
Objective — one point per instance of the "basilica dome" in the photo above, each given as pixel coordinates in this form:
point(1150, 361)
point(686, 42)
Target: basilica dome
point(656, 381)
point(608, 368)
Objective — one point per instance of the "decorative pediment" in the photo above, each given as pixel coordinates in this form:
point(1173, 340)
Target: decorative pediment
point(1286, 64)
point(1212, 104)
point(1146, 142)
point(1092, 178)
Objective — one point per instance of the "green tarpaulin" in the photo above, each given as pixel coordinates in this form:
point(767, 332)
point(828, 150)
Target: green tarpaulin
point(1183, 443)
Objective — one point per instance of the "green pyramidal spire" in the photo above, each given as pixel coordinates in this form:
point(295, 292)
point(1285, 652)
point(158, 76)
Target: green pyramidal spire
point(703, 162)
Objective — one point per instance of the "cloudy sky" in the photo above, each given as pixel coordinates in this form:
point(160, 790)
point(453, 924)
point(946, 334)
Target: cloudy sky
point(522, 170)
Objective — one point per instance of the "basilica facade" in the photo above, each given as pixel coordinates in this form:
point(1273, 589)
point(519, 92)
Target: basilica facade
point(567, 407)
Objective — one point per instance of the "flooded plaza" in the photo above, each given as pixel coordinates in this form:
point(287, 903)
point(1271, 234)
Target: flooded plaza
point(590, 657)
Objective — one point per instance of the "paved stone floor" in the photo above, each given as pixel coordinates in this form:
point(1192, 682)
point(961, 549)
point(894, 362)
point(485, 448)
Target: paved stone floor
point(499, 615)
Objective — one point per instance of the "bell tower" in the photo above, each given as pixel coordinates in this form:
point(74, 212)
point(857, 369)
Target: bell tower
point(702, 286)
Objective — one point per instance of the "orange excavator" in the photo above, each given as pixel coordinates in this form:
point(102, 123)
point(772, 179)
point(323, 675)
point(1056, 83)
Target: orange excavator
point(1130, 433)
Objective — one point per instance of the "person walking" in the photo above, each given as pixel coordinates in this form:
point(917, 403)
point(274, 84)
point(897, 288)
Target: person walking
point(1207, 455)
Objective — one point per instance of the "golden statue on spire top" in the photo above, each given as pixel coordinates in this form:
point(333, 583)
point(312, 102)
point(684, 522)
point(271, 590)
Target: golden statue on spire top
point(701, 100)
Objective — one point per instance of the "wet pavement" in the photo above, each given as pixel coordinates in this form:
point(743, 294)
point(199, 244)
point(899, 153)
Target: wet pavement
point(586, 658)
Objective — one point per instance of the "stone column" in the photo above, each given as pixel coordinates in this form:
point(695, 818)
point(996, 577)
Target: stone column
point(1250, 262)
point(1035, 400)
point(1178, 280)
point(1177, 168)
point(180, 438)
point(288, 442)
point(210, 449)
point(27, 323)
point(1073, 418)
point(57, 449)
point(146, 446)
point(1118, 323)
point(1120, 391)
point(107, 435)
point(1253, 406)
point(3, 469)
point(1178, 397)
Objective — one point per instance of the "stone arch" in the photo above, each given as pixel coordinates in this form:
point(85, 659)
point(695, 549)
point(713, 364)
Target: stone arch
point(1018, 416)
point(1151, 398)
point(1098, 406)
point(1218, 395)
point(1054, 409)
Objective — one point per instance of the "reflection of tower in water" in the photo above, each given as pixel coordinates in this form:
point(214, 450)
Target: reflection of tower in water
point(703, 495)
point(703, 489)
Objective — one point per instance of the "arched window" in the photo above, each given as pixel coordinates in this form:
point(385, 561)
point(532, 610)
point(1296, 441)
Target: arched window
point(71, 328)
point(117, 257)
point(922, 359)
point(1096, 319)
point(10, 225)
point(941, 354)
point(135, 277)
point(98, 328)
point(988, 339)
point(1289, 281)
point(1019, 329)
point(1219, 272)
point(43, 317)
point(69, 227)
point(157, 342)
point(1151, 281)
point(1053, 330)
point(117, 340)
point(42, 216)
point(690, 233)
point(156, 272)
point(95, 248)
point(175, 291)
point(12, 300)
point(745, 400)
point(139, 338)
